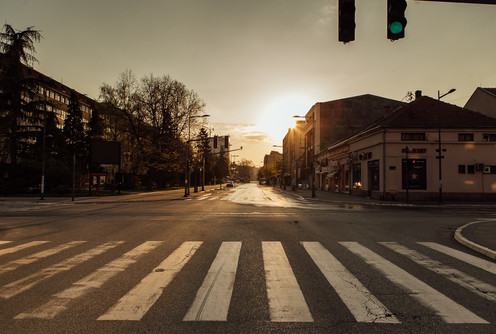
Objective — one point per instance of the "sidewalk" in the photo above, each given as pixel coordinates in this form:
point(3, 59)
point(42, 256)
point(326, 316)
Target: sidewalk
point(31, 202)
point(479, 236)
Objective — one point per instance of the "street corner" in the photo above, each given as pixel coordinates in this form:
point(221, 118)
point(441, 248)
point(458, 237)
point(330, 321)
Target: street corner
point(479, 236)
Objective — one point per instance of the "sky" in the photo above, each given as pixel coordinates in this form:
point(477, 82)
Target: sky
point(256, 63)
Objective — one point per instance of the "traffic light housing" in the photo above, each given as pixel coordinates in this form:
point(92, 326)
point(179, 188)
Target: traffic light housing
point(396, 20)
point(346, 21)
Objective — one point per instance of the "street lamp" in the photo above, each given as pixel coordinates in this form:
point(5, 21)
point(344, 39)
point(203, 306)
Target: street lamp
point(440, 156)
point(186, 172)
point(43, 149)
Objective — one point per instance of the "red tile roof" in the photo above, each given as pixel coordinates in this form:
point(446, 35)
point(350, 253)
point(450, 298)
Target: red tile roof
point(426, 112)
point(490, 90)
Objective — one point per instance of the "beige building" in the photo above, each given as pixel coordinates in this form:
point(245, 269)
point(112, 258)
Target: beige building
point(483, 100)
point(397, 157)
point(58, 95)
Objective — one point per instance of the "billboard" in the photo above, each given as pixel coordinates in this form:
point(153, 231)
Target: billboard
point(105, 152)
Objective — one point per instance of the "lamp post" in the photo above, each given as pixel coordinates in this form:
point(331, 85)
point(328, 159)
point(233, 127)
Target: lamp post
point(186, 172)
point(440, 153)
point(43, 148)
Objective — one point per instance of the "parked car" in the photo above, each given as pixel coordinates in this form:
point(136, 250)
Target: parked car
point(230, 184)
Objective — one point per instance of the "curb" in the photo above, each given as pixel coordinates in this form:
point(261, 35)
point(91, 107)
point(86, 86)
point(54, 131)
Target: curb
point(472, 245)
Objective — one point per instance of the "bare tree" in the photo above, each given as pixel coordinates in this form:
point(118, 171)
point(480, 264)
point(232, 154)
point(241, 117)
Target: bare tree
point(157, 111)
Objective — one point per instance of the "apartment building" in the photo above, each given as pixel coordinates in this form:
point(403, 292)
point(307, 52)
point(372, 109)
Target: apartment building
point(329, 122)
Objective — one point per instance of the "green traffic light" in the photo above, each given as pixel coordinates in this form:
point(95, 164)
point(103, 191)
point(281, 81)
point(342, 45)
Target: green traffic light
point(396, 27)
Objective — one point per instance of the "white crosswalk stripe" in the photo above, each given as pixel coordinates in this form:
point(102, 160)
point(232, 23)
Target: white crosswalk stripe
point(478, 287)
point(2, 242)
point(286, 301)
point(21, 247)
point(361, 303)
point(212, 301)
point(26, 283)
point(95, 280)
point(12, 265)
point(450, 311)
point(135, 304)
point(214, 296)
point(470, 259)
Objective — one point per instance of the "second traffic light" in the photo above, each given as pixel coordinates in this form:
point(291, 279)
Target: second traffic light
point(346, 21)
point(396, 20)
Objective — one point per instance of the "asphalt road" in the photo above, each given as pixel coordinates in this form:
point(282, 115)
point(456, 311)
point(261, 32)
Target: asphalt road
point(246, 259)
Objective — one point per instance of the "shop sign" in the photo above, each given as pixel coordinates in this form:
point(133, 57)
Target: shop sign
point(414, 150)
point(365, 156)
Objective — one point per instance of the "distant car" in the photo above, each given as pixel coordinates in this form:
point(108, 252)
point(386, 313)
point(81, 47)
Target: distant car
point(230, 184)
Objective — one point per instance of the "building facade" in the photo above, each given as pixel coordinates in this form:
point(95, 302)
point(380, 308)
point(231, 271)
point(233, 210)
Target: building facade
point(293, 147)
point(398, 158)
point(329, 122)
point(219, 144)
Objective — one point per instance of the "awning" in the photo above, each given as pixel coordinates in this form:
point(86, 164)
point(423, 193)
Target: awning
point(332, 173)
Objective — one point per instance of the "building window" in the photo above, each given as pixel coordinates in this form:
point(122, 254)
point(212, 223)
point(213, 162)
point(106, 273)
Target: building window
point(461, 169)
point(357, 176)
point(465, 137)
point(470, 169)
point(489, 137)
point(413, 136)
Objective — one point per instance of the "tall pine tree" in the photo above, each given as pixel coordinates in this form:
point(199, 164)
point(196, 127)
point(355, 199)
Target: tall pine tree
point(20, 111)
point(74, 126)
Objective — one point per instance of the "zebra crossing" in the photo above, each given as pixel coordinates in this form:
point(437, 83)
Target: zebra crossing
point(286, 301)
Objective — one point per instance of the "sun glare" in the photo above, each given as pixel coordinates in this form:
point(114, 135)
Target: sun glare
point(278, 115)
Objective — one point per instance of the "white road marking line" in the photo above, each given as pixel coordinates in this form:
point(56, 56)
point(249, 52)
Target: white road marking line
point(4, 242)
point(203, 197)
point(468, 282)
point(470, 259)
point(364, 306)
point(60, 301)
point(14, 288)
point(286, 301)
point(214, 296)
point(447, 309)
point(135, 304)
point(12, 265)
point(21, 247)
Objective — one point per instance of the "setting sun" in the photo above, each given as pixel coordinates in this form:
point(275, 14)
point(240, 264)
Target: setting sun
point(277, 117)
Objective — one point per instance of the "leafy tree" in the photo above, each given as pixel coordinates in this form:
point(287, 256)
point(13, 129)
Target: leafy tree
point(21, 113)
point(74, 132)
point(245, 168)
point(95, 125)
point(221, 167)
point(205, 152)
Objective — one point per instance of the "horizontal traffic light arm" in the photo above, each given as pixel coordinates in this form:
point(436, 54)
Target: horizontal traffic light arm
point(482, 2)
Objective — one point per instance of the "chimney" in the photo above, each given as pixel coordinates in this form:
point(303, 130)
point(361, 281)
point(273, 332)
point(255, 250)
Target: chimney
point(418, 93)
